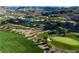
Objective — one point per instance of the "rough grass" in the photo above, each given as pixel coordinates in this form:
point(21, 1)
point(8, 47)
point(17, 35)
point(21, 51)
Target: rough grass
point(16, 43)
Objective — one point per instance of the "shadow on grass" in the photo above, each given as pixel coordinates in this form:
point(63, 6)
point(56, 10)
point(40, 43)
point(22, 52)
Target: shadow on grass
point(65, 46)
point(73, 36)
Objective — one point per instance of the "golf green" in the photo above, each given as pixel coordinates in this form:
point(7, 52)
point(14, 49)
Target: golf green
point(65, 43)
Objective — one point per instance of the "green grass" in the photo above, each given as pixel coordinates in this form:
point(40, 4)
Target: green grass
point(66, 40)
point(4, 19)
point(68, 43)
point(16, 43)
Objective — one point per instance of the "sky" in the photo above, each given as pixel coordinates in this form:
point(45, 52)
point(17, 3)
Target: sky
point(39, 2)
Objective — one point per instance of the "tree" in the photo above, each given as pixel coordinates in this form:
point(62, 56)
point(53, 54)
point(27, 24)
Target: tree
point(48, 19)
point(61, 30)
point(43, 37)
point(59, 19)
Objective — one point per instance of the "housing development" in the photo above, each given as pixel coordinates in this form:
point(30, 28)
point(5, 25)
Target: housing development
point(46, 29)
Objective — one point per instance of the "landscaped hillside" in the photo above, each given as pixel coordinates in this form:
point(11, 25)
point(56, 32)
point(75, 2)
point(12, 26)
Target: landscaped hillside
point(49, 29)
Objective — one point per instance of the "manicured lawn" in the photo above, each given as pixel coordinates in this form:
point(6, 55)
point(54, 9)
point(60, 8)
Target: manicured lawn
point(16, 43)
point(65, 42)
